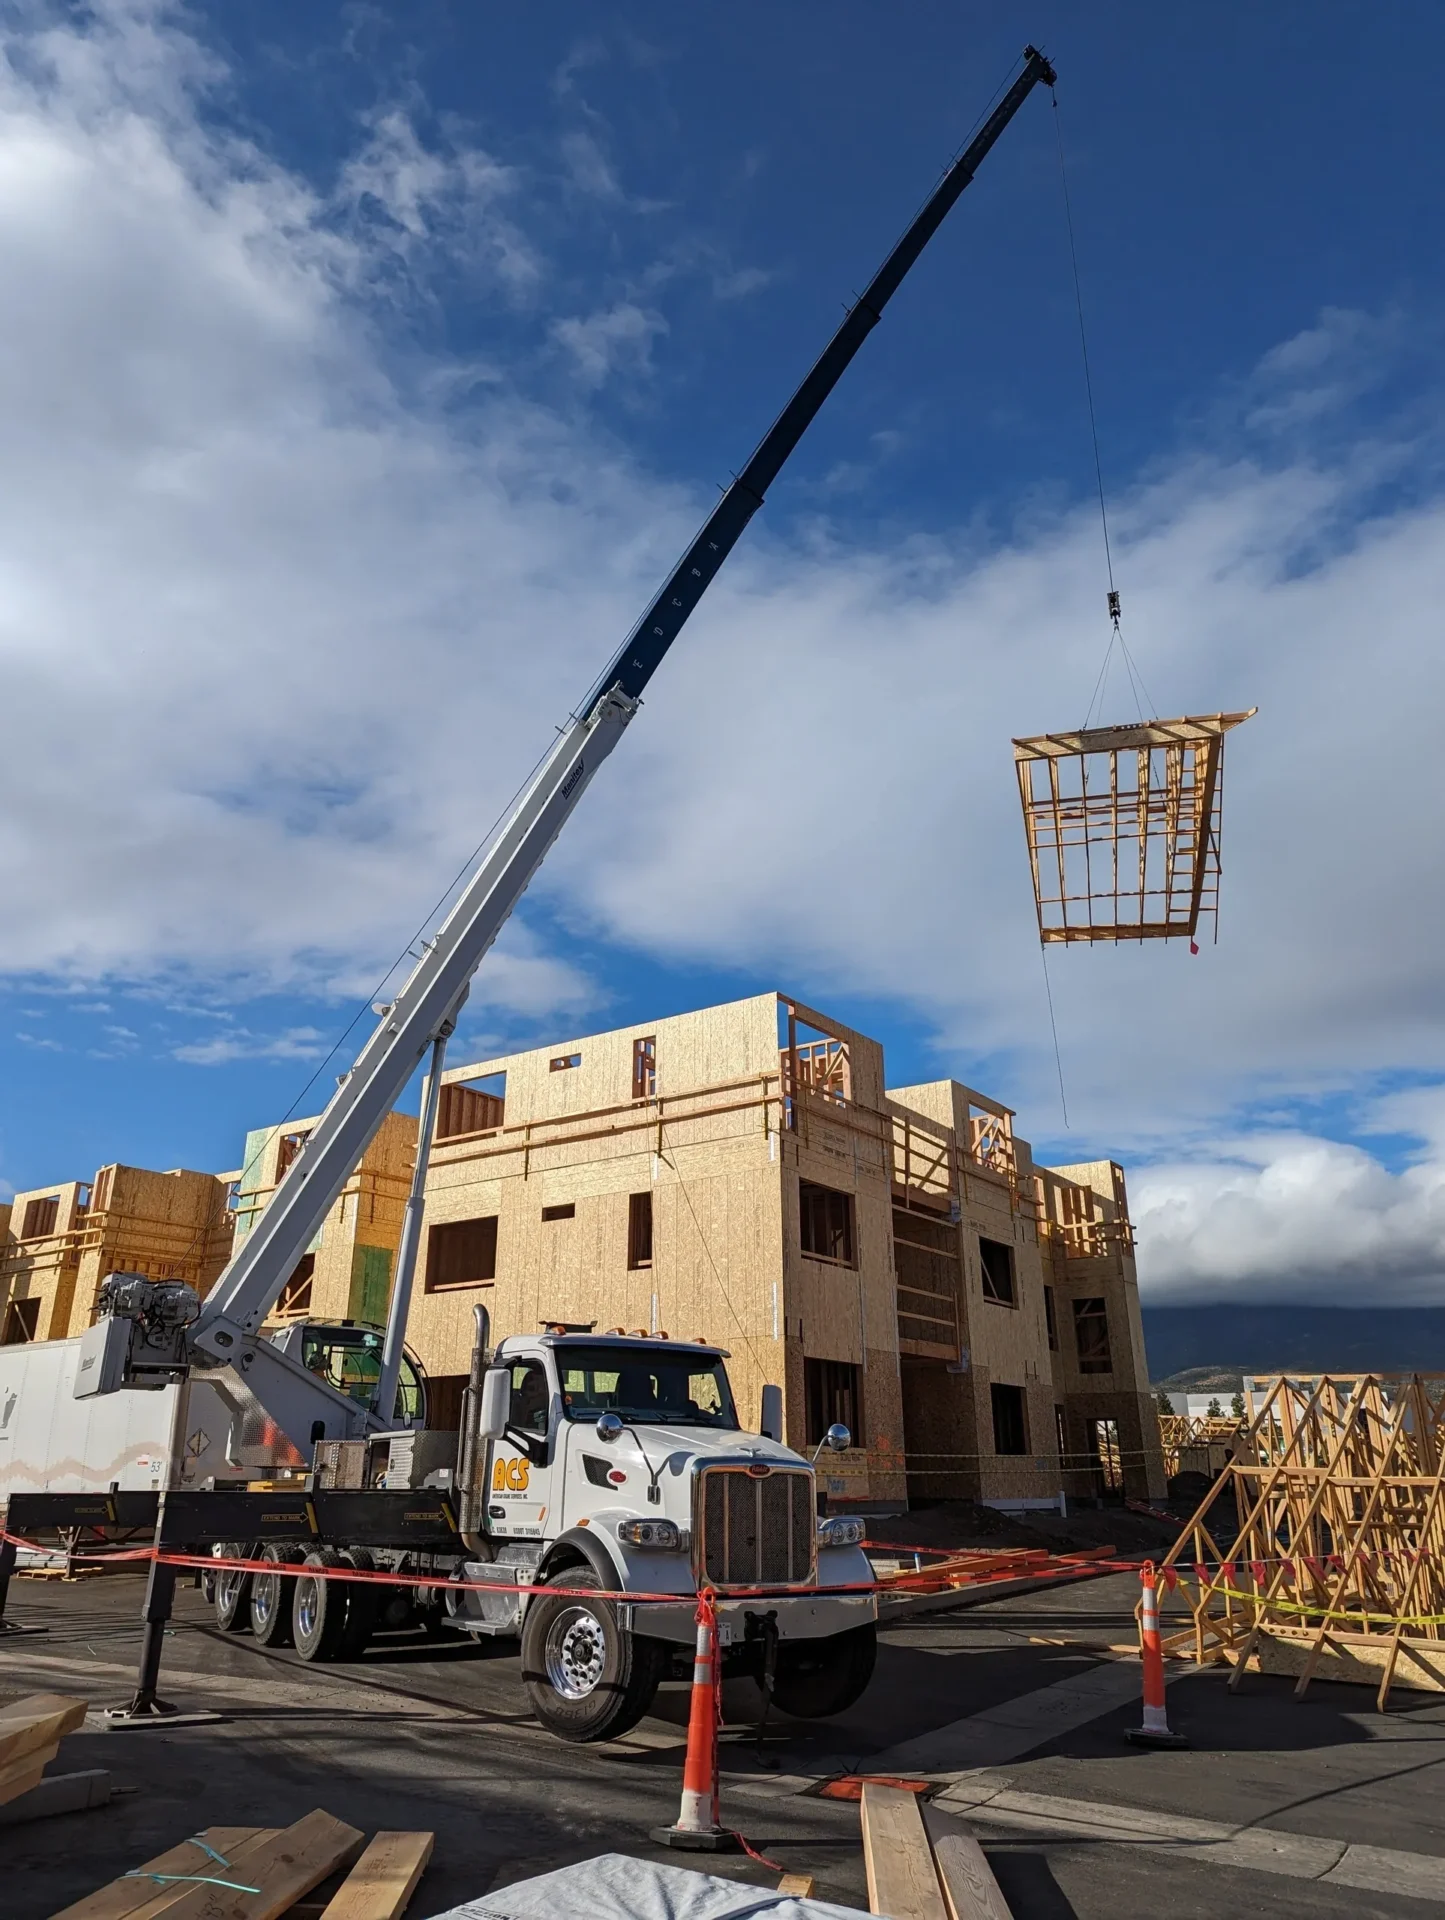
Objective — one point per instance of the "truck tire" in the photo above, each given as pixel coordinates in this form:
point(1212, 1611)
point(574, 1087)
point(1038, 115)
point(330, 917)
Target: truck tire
point(318, 1608)
point(816, 1678)
point(232, 1591)
point(364, 1604)
point(271, 1599)
point(587, 1679)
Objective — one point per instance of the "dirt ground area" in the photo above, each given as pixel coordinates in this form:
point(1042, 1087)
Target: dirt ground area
point(1014, 1710)
point(962, 1523)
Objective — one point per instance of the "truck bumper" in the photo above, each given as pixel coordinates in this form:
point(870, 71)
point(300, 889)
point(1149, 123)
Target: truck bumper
point(815, 1616)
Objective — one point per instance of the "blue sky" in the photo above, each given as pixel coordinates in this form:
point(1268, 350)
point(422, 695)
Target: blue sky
point(368, 364)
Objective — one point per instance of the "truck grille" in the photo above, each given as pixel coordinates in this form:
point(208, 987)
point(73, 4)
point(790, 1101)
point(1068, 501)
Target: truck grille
point(753, 1530)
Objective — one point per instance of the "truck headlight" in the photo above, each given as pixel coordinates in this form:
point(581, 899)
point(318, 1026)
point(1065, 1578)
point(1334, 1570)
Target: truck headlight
point(664, 1536)
point(841, 1532)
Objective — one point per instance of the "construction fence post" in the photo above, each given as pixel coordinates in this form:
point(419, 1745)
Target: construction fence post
point(1155, 1731)
point(698, 1828)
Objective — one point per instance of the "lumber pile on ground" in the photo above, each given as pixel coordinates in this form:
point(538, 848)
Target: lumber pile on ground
point(921, 1864)
point(30, 1734)
point(261, 1873)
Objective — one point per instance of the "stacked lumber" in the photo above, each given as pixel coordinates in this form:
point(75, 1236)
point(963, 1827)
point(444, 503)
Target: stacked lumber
point(30, 1734)
point(921, 1864)
point(260, 1873)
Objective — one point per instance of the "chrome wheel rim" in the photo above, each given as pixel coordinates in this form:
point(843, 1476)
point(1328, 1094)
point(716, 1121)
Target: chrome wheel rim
point(307, 1610)
point(576, 1653)
point(228, 1586)
point(263, 1597)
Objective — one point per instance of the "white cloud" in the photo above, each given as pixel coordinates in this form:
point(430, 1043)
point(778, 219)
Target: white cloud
point(618, 338)
point(742, 281)
point(1278, 1217)
point(239, 1043)
point(588, 167)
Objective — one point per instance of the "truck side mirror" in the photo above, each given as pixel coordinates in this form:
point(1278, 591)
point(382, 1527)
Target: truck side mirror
point(770, 1414)
point(496, 1403)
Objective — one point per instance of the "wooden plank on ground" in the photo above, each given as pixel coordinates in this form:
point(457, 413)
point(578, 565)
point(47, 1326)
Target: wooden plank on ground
point(383, 1879)
point(800, 1885)
point(970, 1891)
point(282, 1869)
point(20, 1778)
point(39, 1720)
point(123, 1899)
point(902, 1880)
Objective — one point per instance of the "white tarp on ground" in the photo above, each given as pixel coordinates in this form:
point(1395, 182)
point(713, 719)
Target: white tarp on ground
point(616, 1887)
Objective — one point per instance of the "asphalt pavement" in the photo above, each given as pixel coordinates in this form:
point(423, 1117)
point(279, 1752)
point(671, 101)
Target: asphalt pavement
point(1015, 1710)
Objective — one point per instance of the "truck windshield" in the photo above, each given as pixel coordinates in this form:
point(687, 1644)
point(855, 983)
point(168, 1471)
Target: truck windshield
point(668, 1389)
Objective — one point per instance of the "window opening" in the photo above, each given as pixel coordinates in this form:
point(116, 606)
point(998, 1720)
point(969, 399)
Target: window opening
point(40, 1217)
point(825, 1223)
point(1010, 1428)
point(1091, 1336)
point(296, 1294)
point(286, 1152)
point(1111, 1460)
point(996, 1265)
point(22, 1323)
point(461, 1253)
point(1051, 1319)
point(566, 1211)
point(811, 1060)
point(478, 1107)
point(639, 1230)
point(833, 1396)
point(644, 1068)
point(563, 1062)
point(1061, 1434)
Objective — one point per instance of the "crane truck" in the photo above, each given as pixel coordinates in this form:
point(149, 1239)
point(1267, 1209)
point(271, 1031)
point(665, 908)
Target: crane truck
point(604, 1466)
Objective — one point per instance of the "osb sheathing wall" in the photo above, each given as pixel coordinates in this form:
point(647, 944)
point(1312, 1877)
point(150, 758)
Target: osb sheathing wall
point(43, 1266)
point(709, 1146)
point(832, 1312)
point(354, 1251)
point(951, 1438)
point(1095, 1259)
point(171, 1226)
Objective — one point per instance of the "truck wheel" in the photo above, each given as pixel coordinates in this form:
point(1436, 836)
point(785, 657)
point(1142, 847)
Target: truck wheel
point(363, 1606)
point(586, 1678)
point(816, 1678)
point(318, 1611)
point(271, 1599)
point(233, 1591)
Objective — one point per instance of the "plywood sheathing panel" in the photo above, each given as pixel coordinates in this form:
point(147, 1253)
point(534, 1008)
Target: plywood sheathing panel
point(171, 1226)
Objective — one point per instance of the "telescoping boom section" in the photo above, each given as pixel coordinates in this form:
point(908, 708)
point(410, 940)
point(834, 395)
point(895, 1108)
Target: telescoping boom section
point(144, 1335)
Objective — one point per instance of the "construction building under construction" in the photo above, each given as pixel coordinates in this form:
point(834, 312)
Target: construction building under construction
point(743, 1174)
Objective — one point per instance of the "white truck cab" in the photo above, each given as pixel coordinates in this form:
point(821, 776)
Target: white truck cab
point(616, 1464)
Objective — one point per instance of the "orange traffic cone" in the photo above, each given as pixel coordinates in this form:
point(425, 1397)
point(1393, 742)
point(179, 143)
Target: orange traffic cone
point(1155, 1730)
point(698, 1828)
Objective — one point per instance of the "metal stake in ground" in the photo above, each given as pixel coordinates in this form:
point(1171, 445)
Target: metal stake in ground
point(1155, 1730)
point(698, 1828)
